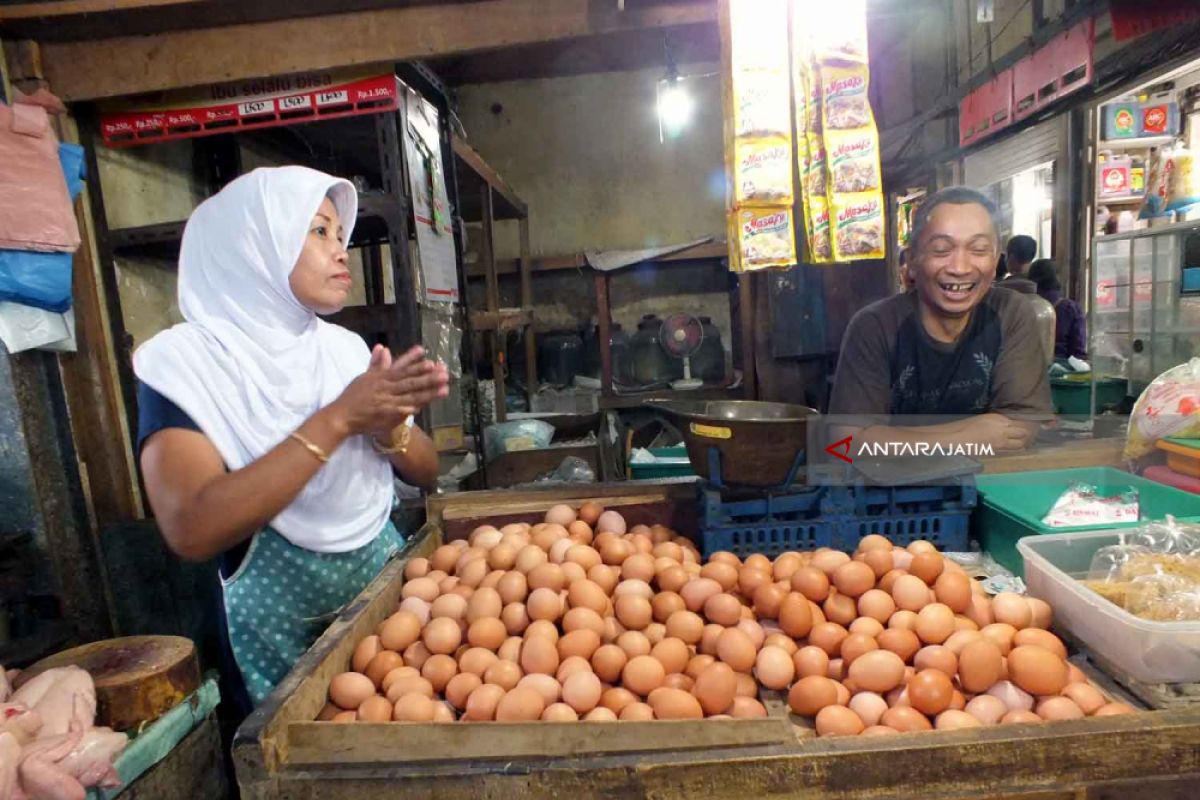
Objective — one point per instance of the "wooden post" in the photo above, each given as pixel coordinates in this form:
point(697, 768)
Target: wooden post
point(488, 254)
point(604, 313)
point(531, 378)
point(746, 324)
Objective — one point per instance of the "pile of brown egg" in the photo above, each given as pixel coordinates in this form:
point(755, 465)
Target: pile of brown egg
point(578, 618)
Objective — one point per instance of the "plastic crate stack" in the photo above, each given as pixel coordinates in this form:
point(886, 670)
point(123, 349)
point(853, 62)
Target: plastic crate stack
point(835, 516)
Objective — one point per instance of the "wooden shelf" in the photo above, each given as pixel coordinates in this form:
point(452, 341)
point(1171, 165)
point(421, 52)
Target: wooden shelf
point(577, 261)
point(620, 401)
point(474, 173)
point(1145, 142)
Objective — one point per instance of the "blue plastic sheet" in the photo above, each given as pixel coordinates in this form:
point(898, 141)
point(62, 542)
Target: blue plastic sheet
point(43, 280)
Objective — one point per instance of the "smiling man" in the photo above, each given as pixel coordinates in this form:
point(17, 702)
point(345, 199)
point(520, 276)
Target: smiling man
point(956, 347)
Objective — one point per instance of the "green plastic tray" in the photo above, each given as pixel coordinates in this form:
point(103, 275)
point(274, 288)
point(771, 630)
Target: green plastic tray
point(1074, 397)
point(1012, 505)
point(641, 472)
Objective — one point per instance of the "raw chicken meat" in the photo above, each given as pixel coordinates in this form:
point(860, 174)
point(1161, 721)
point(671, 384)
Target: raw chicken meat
point(49, 747)
point(61, 696)
point(91, 761)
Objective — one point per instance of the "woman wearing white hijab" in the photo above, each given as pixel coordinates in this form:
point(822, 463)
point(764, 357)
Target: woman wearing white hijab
point(269, 434)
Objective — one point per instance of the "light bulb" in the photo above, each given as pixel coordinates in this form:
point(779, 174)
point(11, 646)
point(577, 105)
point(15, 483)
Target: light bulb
point(674, 108)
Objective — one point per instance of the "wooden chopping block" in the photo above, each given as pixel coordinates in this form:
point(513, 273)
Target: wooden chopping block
point(138, 678)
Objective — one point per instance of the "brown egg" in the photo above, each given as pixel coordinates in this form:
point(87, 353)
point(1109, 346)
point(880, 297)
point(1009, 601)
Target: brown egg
point(472, 573)
point(547, 576)
point(664, 604)
point(1075, 674)
point(810, 660)
point(617, 698)
point(559, 712)
point(674, 704)
point(539, 654)
point(747, 708)
point(980, 610)
point(1113, 709)
point(812, 693)
point(425, 588)
point(767, 599)
point(904, 620)
point(569, 666)
point(960, 639)
point(1088, 698)
point(515, 618)
point(417, 607)
point(930, 692)
point(505, 674)
point(375, 709)
point(639, 566)
point(678, 681)
point(781, 640)
point(715, 688)
point(855, 645)
point(1041, 615)
point(600, 714)
point(1036, 670)
point(774, 668)
point(828, 636)
point(853, 578)
point(636, 712)
point(879, 730)
point(936, 657)
point(697, 591)
point(520, 704)
point(580, 532)
point(583, 643)
point(812, 583)
point(544, 604)
point(709, 638)
point(723, 572)
point(837, 669)
point(935, 623)
point(1020, 718)
point(880, 562)
point(415, 654)
point(399, 630)
point(560, 515)
point(839, 608)
point(673, 654)
point(877, 671)
point(610, 521)
point(685, 625)
point(927, 566)
point(460, 687)
point(903, 643)
point(905, 719)
point(697, 664)
point(349, 689)
point(888, 581)
point(838, 721)
point(962, 623)
point(413, 708)
point(723, 609)
point(502, 556)
point(1058, 708)
point(589, 512)
point(953, 720)
point(828, 560)
point(1041, 638)
point(980, 666)
point(876, 604)
point(607, 662)
point(366, 650)
point(795, 615)
point(672, 579)
point(476, 660)
point(643, 674)
point(481, 703)
point(438, 670)
point(910, 593)
point(484, 602)
point(1013, 697)
point(987, 709)
point(487, 632)
point(751, 628)
point(586, 594)
point(736, 649)
point(634, 643)
point(441, 635)
point(582, 691)
point(954, 590)
point(869, 706)
point(419, 567)
point(1011, 609)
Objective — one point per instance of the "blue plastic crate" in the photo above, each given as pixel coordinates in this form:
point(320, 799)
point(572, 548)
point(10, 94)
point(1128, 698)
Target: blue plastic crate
point(838, 516)
point(770, 539)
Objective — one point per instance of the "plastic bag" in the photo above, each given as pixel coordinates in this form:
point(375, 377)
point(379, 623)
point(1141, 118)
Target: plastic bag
point(1163, 597)
point(1110, 563)
point(1169, 536)
point(763, 171)
point(36, 212)
point(857, 226)
point(573, 469)
point(522, 434)
point(1183, 182)
point(1081, 504)
point(1170, 406)
point(766, 237)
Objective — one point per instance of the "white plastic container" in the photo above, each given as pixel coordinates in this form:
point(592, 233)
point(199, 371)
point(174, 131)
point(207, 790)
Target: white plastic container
point(1151, 652)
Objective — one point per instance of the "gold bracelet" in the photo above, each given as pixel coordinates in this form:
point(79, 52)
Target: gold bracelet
point(401, 446)
point(321, 455)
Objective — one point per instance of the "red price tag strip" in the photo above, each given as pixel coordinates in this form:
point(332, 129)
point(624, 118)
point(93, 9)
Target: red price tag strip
point(144, 125)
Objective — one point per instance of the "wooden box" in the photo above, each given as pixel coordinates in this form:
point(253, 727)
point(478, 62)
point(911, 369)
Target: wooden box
point(279, 752)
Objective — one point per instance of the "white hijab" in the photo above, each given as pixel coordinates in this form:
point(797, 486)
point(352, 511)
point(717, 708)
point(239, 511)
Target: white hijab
point(251, 363)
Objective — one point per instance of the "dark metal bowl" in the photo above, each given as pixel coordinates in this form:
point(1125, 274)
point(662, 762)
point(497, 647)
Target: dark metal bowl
point(758, 442)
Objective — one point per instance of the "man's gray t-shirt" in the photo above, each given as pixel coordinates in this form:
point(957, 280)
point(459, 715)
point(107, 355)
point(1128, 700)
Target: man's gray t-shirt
point(890, 365)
